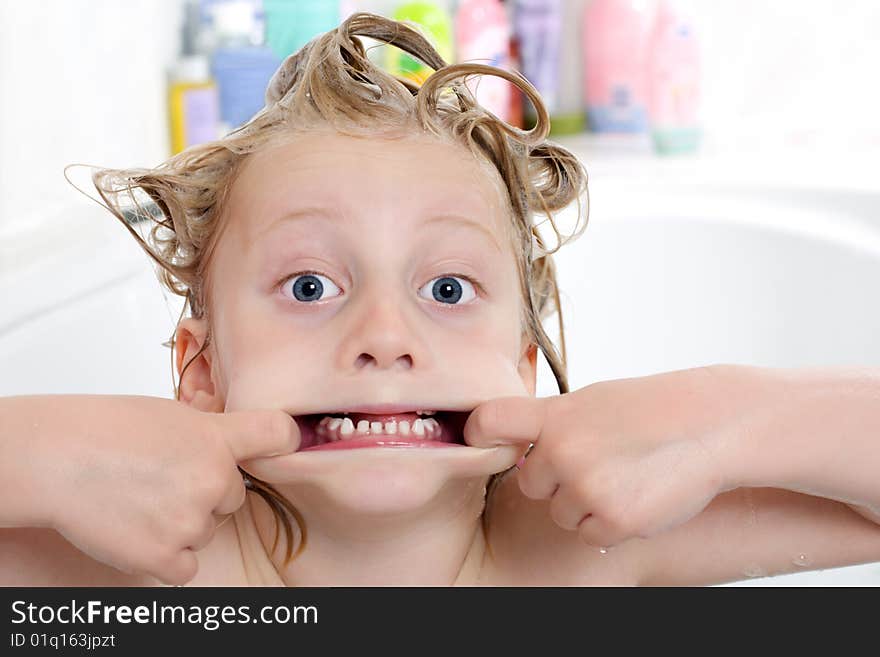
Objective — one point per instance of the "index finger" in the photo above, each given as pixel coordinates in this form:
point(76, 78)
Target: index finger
point(505, 421)
point(254, 433)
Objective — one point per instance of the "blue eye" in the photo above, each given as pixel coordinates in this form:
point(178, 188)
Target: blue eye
point(312, 287)
point(448, 289)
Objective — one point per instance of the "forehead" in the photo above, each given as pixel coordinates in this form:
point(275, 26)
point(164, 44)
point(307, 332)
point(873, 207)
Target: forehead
point(408, 176)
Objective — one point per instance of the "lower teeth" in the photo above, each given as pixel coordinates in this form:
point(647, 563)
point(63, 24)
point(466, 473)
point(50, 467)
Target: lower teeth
point(335, 429)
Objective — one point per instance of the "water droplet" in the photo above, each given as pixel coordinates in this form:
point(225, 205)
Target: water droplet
point(603, 550)
point(753, 570)
point(801, 560)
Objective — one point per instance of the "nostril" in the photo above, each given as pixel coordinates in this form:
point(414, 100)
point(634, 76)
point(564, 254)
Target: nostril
point(401, 362)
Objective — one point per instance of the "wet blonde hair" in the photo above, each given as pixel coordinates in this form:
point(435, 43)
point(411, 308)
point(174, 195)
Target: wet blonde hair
point(331, 83)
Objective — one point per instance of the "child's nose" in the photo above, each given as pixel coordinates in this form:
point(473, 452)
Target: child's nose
point(382, 338)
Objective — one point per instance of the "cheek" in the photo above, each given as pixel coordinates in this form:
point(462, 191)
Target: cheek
point(494, 336)
point(266, 370)
point(257, 354)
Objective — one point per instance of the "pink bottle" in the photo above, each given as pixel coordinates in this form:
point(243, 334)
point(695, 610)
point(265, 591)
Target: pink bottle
point(614, 48)
point(482, 35)
point(673, 81)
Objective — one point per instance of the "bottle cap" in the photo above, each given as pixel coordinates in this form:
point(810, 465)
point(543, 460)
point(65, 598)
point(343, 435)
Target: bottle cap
point(234, 21)
point(191, 68)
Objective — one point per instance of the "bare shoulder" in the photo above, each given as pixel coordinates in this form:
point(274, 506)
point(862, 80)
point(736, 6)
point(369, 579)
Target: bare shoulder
point(42, 557)
point(529, 549)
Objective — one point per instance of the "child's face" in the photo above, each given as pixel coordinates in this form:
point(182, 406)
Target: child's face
point(377, 223)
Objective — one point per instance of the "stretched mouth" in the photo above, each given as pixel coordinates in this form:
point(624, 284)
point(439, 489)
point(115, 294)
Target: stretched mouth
point(354, 429)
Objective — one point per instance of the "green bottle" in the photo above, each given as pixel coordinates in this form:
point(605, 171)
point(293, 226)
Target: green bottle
point(436, 22)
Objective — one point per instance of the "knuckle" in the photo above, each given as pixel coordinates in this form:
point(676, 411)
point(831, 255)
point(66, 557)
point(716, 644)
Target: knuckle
point(209, 527)
point(621, 518)
point(557, 514)
point(619, 523)
point(582, 493)
point(588, 536)
point(164, 564)
point(486, 417)
point(181, 569)
point(214, 481)
point(527, 486)
point(602, 482)
point(190, 529)
point(208, 489)
point(217, 485)
point(241, 495)
point(277, 425)
point(565, 455)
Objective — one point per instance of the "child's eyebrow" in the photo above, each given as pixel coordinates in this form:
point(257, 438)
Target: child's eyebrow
point(321, 211)
point(466, 222)
point(294, 215)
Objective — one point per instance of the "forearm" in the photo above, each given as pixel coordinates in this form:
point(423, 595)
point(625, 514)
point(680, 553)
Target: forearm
point(810, 430)
point(25, 422)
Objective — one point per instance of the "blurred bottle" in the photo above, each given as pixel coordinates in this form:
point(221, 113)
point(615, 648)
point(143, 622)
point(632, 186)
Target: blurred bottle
point(538, 28)
point(570, 117)
point(376, 49)
point(517, 99)
point(673, 81)
point(241, 63)
point(290, 24)
point(193, 101)
point(482, 36)
point(208, 36)
point(436, 22)
point(615, 42)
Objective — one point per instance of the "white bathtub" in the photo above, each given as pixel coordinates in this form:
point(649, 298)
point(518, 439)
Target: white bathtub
point(678, 268)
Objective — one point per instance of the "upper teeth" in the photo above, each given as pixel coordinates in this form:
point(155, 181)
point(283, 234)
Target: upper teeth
point(335, 428)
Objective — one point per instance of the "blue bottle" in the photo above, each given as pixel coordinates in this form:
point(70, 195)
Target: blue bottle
point(241, 63)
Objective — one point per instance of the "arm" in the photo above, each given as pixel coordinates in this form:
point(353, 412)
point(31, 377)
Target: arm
point(131, 481)
point(743, 533)
point(32, 553)
point(801, 481)
point(24, 423)
point(695, 476)
point(36, 556)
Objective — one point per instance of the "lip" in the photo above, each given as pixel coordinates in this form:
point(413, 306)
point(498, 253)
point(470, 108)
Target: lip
point(388, 409)
point(379, 441)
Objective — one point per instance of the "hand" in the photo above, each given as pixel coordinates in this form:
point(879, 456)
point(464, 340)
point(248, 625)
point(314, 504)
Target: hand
point(617, 459)
point(135, 481)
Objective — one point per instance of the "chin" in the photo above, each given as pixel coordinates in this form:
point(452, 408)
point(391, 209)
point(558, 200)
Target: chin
point(384, 483)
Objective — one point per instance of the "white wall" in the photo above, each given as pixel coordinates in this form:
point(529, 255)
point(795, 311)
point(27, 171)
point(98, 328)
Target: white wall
point(80, 81)
point(793, 73)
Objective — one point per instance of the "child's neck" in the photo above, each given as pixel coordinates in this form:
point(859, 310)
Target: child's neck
point(440, 544)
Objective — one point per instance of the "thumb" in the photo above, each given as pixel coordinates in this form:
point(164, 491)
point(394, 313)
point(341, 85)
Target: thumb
point(255, 433)
point(505, 421)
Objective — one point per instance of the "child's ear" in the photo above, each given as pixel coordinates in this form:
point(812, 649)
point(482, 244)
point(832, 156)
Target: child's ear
point(528, 366)
point(196, 385)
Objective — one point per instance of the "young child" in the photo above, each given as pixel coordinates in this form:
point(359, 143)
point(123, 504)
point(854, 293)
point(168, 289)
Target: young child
point(367, 282)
